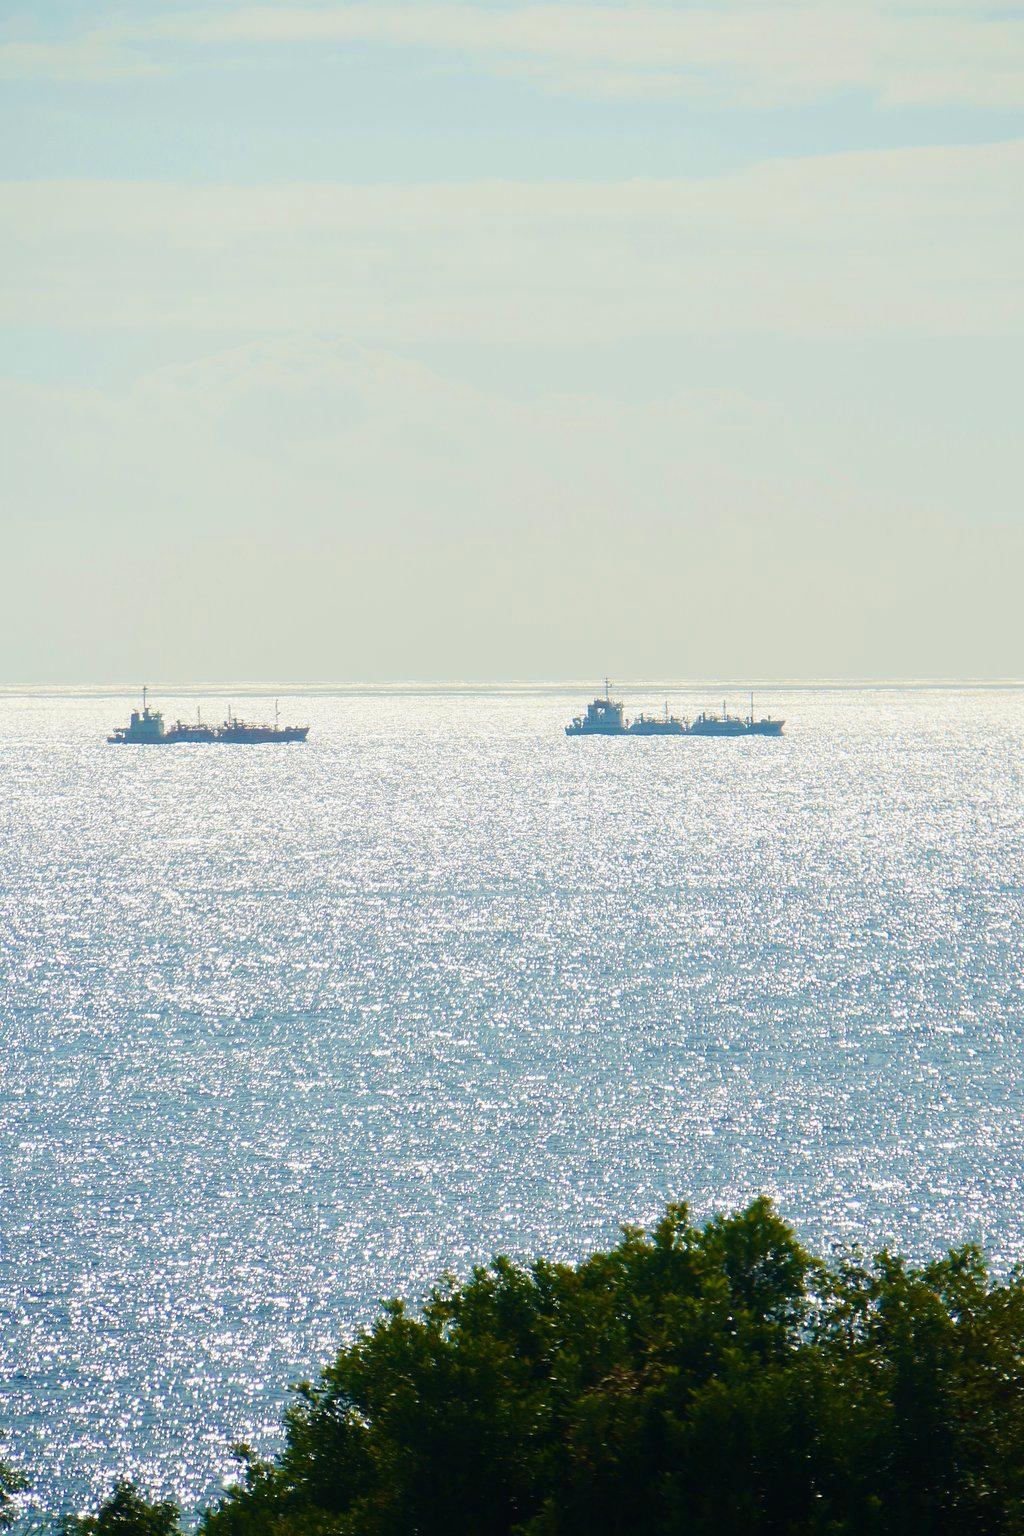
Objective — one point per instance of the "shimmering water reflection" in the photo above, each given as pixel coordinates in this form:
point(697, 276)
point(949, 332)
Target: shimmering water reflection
point(288, 1029)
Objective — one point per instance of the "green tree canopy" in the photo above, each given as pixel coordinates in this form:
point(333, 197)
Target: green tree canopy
point(11, 1483)
point(692, 1381)
point(126, 1513)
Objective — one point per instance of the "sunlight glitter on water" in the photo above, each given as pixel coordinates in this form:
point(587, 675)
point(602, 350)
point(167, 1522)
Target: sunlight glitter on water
point(286, 1030)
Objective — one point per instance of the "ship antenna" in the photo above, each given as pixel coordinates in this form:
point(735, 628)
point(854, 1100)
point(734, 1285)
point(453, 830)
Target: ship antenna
point(145, 692)
point(277, 713)
point(607, 689)
point(751, 706)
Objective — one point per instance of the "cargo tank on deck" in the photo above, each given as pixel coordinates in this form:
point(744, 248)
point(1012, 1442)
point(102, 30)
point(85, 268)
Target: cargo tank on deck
point(657, 725)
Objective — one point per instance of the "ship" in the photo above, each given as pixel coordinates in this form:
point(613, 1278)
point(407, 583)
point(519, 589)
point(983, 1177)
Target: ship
point(146, 727)
point(607, 717)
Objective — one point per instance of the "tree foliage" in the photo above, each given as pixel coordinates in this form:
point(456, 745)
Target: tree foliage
point(126, 1513)
point(11, 1483)
point(705, 1381)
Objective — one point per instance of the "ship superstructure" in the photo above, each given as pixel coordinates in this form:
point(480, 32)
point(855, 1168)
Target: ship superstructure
point(605, 717)
point(146, 727)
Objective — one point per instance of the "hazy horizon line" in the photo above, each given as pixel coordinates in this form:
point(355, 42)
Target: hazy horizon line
point(298, 688)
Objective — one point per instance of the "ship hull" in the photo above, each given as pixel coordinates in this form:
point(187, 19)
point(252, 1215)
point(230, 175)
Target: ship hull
point(224, 736)
point(699, 728)
point(606, 730)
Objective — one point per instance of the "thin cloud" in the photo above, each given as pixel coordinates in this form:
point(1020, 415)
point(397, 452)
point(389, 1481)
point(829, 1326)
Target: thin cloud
point(99, 55)
point(773, 52)
point(908, 242)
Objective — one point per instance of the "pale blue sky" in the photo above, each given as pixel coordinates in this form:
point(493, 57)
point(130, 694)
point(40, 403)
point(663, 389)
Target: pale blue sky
point(97, 92)
point(455, 313)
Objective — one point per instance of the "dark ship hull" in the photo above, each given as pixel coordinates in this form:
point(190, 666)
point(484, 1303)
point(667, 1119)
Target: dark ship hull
point(576, 729)
point(707, 728)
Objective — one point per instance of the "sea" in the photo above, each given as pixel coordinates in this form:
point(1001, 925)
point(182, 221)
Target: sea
point(288, 1030)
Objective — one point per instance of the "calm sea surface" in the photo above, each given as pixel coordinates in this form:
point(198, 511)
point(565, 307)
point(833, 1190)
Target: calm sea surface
point(286, 1030)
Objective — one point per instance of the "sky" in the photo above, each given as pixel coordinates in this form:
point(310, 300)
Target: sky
point(473, 341)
